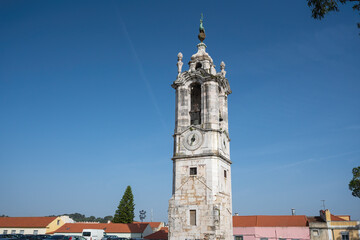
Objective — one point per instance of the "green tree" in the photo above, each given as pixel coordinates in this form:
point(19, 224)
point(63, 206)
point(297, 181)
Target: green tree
point(354, 184)
point(125, 211)
point(322, 7)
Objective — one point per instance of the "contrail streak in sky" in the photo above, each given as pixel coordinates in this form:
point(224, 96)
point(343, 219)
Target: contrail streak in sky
point(141, 69)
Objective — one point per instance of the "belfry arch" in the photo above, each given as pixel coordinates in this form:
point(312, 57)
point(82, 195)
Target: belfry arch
point(195, 104)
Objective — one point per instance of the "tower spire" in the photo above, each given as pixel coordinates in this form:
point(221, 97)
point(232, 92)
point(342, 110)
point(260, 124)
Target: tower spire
point(201, 35)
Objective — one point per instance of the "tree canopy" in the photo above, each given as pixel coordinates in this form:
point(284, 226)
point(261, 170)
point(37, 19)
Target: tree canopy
point(322, 7)
point(125, 211)
point(354, 184)
point(78, 217)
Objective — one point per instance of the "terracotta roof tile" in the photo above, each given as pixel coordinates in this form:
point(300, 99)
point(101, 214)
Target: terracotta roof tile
point(152, 224)
point(336, 218)
point(159, 235)
point(270, 221)
point(108, 227)
point(26, 222)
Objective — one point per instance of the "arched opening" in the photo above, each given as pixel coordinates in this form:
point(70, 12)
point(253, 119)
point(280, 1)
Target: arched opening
point(198, 65)
point(195, 111)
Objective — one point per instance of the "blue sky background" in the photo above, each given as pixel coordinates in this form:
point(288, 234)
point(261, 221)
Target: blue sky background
point(87, 107)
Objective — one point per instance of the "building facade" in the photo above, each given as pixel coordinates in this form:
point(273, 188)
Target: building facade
point(271, 228)
point(200, 206)
point(123, 230)
point(333, 227)
point(32, 225)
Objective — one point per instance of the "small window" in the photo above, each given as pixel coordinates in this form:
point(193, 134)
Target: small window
point(5, 232)
point(193, 217)
point(282, 238)
point(86, 234)
point(225, 174)
point(193, 171)
point(35, 232)
point(13, 231)
point(344, 235)
point(238, 238)
point(21, 231)
point(315, 232)
point(58, 222)
point(263, 238)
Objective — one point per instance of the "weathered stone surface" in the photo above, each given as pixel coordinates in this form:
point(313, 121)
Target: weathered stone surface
point(204, 146)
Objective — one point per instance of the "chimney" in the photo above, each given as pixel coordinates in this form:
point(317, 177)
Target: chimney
point(293, 212)
point(325, 215)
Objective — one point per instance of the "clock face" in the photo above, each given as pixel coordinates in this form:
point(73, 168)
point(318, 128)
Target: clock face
point(224, 143)
point(192, 140)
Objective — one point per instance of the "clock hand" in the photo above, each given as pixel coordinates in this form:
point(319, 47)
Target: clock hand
point(192, 140)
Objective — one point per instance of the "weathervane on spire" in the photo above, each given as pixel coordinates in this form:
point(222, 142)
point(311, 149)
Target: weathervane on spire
point(201, 35)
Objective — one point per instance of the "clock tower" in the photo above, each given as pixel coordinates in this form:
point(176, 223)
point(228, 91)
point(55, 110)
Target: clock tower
point(200, 206)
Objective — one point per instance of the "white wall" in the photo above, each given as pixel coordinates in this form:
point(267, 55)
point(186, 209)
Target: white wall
point(26, 230)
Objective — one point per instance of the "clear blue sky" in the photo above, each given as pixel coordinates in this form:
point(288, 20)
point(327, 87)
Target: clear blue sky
point(87, 107)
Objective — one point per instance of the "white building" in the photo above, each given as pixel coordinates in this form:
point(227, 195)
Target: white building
point(124, 230)
point(31, 225)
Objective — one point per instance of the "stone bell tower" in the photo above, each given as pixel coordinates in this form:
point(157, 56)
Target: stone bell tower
point(200, 206)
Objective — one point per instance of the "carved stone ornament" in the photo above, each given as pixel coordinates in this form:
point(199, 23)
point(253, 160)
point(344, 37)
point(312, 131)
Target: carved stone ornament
point(222, 67)
point(179, 63)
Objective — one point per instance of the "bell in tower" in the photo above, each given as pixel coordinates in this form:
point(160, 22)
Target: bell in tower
point(200, 206)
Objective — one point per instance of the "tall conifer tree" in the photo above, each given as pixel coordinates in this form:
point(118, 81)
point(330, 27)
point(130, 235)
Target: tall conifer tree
point(125, 211)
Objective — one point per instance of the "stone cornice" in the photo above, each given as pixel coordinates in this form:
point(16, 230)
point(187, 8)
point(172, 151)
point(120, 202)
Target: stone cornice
point(203, 130)
point(203, 155)
point(202, 76)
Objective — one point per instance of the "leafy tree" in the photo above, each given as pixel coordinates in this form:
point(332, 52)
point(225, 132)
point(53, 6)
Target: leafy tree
point(125, 211)
point(354, 184)
point(77, 217)
point(108, 218)
point(322, 7)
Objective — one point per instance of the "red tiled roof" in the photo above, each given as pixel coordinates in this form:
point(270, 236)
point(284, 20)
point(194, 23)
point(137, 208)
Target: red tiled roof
point(159, 235)
point(270, 221)
point(152, 224)
point(166, 229)
point(108, 227)
point(336, 218)
point(26, 222)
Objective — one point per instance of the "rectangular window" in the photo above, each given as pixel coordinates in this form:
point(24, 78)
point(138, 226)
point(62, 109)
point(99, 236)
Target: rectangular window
point(21, 231)
point(263, 238)
point(13, 231)
point(58, 222)
point(225, 173)
point(282, 238)
point(193, 171)
point(238, 238)
point(5, 232)
point(315, 232)
point(344, 235)
point(35, 232)
point(193, 217)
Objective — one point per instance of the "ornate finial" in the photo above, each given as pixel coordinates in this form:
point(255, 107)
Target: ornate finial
point(222, 67)
point(179, 63)
point(201, 35)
